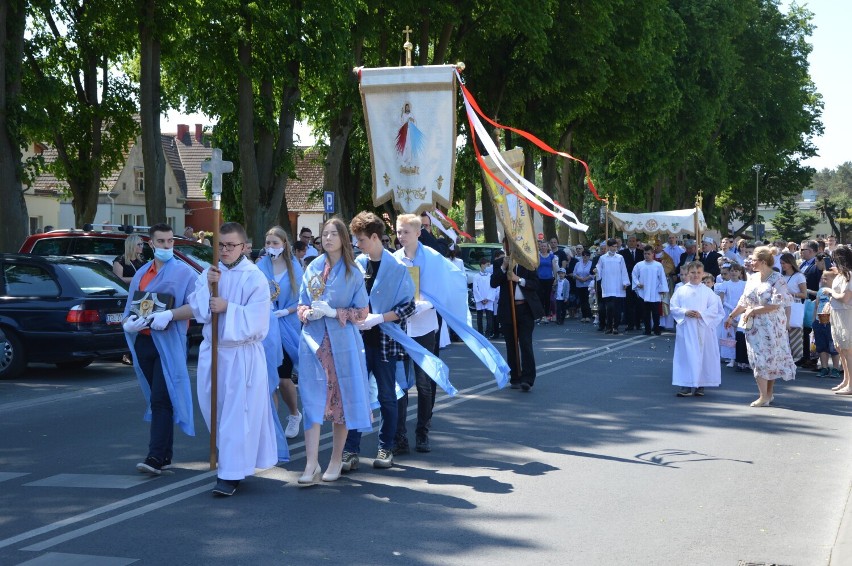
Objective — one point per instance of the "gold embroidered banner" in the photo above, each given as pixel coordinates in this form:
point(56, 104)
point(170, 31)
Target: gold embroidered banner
point(410, 116)
point(513, 213)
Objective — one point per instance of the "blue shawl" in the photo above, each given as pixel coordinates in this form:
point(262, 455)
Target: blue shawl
point(177, 279)
point(445, 286)
point(288, 326)
point(393, 286)
point(342, 291)
point(282, 331)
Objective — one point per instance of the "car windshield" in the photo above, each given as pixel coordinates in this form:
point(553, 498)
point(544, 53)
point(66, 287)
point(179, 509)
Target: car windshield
point(95, 279)
point(202, 255)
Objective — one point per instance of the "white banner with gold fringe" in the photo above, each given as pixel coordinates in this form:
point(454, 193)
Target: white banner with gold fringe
point(410, 114)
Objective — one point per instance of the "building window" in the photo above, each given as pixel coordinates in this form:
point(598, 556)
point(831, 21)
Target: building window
point(140, 220)
point(170, 190)
point(123, 186)
point(127, 219)
point(171, 221)
point(139, 178)
point(35, 224)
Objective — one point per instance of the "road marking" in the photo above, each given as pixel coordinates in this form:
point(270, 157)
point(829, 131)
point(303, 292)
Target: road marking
point(468, 394)
point(67, 396)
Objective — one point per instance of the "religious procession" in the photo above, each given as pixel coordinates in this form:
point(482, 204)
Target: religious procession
point(342, 331)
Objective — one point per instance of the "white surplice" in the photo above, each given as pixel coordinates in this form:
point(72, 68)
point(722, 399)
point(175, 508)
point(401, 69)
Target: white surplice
point(652, 276)
point(612, 273)
point(246, 431)
point(696, 355)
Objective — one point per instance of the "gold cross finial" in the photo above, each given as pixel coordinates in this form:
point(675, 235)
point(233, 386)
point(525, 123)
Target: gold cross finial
point(407, 45)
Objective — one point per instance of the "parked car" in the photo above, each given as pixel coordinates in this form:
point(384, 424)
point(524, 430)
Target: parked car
point(60, 310)
point(105, 246)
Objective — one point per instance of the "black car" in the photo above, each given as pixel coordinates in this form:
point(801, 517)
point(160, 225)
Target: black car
point(60, 310)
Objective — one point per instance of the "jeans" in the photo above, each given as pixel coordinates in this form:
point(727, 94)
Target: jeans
point(385, 375)
point(426, 390)
point(162, 413)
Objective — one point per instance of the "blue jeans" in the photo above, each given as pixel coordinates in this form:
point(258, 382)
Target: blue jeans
point(162, 413)
point(385, 375)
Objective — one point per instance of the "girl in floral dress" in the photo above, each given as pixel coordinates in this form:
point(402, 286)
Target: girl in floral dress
point(763, 308)
point(332, 369)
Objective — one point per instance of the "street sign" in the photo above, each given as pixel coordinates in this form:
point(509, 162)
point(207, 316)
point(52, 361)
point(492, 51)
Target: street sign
point(328, 199)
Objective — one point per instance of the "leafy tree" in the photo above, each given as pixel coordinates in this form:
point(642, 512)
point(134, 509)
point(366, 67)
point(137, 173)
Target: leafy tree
point(13, 213)
point(76, 98)
point(791, 224)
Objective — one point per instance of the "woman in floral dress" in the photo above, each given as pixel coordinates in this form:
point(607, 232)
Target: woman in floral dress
point(332, 369)
point(763, 308)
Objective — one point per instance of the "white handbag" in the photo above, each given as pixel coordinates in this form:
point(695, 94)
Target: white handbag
point(797, 314)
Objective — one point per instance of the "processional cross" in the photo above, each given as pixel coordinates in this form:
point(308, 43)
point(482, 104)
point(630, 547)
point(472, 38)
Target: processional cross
point(408, 46)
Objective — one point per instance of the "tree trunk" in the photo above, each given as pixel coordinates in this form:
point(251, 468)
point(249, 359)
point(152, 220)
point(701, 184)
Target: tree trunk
point(153, 157)
point(548, 178)
point(346, 197)
point(14, 220)
point(470, 210)
point(245, 128)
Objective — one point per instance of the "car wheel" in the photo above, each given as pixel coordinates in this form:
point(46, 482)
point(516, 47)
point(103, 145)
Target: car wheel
point(75, 364)
point(12, 357)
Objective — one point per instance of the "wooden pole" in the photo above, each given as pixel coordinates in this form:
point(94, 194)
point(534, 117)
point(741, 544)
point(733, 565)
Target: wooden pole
point(214, 345)
point(514, 319)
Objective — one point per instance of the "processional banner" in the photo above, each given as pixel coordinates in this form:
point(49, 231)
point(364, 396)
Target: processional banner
point(410, 115)
point(512, 212)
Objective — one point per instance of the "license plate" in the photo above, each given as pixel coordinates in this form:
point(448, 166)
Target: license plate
point(114, 318)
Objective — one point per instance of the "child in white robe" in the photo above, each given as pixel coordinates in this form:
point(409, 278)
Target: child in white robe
point(697, 311)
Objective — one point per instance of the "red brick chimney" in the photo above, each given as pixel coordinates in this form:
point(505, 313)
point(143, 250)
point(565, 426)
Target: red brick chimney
point(183, 133)
point(199, 133)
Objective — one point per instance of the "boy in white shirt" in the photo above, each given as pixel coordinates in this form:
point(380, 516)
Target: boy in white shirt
point(562, 288)
point(483, 296)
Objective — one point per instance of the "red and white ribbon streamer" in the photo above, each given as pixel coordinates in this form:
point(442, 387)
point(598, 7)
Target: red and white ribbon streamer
point(452, 223)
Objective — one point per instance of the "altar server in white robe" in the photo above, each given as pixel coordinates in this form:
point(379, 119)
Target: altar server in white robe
point(697, 311)
point(649, 282)
point(246, 431)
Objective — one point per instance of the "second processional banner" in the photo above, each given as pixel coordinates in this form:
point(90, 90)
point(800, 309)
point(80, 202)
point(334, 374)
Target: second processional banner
point(410, 114)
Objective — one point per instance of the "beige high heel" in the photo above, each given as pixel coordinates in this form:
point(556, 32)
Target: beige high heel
point(332, 476)
point(313, 479)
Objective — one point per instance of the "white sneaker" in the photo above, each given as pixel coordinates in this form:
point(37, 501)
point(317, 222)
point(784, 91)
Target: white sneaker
point(731, 363)
point(293, 422)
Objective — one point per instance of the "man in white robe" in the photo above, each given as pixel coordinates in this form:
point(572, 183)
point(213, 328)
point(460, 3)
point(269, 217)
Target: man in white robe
point(697, 311)
point(246, 432)
point(649, 282)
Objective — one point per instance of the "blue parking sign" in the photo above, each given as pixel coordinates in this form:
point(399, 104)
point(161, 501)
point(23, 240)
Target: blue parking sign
point(329, 202)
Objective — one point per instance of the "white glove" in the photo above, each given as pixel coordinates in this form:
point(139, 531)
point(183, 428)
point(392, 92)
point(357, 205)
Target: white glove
point(134, 324)
point(372, 320)
point(159, 320)
point(420, 306)
point(280, 313)
point(324, 308)
point(313, 315)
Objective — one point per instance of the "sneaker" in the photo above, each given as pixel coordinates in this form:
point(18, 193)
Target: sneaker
point(422, 444)
point(834, 373)
point(400, 447)
point(384, 459)
point(731, 363)
point(824, 372)
point(167, 464)
point(151, 466)
point(293, 422)
point(699, 392)
point(350, 461)
point(685, 392)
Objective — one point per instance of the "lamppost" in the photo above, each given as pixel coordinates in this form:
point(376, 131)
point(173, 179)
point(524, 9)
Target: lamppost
point(756, 168)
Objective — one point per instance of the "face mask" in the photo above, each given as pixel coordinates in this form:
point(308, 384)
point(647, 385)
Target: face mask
point(274, 252)
point(164, 255)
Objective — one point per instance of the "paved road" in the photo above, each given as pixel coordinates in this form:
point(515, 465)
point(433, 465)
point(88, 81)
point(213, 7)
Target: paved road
point(599, 464)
